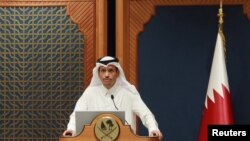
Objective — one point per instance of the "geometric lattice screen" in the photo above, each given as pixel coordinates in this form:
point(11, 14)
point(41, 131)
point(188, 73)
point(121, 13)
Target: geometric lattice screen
point(41, 72)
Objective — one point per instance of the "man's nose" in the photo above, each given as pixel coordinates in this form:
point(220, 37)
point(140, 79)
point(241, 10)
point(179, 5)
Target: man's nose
point(106, 73)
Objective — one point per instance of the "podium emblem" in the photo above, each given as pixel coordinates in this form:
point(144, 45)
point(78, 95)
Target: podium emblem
point(106, 129)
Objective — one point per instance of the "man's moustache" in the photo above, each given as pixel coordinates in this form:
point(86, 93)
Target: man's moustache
point(106, 79)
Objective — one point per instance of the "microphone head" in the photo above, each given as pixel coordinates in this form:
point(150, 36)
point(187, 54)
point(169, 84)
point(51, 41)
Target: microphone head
point(112, 96)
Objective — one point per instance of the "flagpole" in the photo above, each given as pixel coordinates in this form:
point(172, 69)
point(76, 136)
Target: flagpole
point(221, 15)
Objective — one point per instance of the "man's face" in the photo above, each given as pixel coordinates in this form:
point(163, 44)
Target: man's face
point(108, 75)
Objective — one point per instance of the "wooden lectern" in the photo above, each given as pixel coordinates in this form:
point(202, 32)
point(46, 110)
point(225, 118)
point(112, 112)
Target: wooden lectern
point(107, 127)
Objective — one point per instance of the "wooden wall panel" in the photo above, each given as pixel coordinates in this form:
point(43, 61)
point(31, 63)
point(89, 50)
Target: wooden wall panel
point(83, 13)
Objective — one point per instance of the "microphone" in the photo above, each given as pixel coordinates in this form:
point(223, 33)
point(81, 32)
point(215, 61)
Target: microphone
point(112, 97)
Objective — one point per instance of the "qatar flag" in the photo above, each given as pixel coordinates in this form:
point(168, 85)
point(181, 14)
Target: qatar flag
point(217, 110)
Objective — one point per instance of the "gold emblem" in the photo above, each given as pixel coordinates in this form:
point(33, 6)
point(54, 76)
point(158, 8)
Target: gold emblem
point(106, 129)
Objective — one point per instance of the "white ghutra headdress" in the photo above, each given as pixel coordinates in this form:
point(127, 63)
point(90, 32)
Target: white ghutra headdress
point(121, 79)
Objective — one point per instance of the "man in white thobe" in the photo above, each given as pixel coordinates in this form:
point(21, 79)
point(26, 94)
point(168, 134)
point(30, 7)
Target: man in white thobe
point(110, 91)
